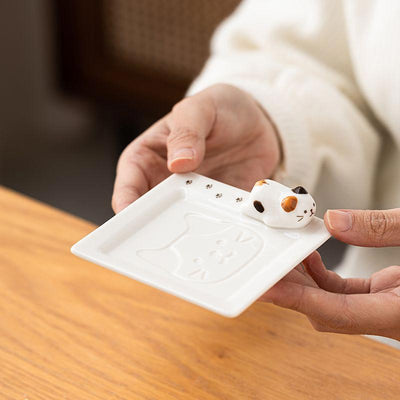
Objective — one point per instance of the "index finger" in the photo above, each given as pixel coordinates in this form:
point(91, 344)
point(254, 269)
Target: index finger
point(356, 313)
point(141, 166)
point(130, 183)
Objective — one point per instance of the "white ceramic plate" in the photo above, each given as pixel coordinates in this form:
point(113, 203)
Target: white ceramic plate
point(188, 237)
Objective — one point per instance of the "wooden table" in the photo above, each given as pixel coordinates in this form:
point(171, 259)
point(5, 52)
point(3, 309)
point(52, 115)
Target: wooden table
point(72, 330)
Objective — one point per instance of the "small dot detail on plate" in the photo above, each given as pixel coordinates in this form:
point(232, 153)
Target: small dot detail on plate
point(218, 195)
point(239, 199)
point(209, 186)
point(188, 182)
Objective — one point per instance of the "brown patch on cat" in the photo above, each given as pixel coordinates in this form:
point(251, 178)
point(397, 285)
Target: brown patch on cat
point(289, 203)
point(262, 182)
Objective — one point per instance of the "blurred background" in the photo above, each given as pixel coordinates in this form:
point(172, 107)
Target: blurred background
point(80, 79)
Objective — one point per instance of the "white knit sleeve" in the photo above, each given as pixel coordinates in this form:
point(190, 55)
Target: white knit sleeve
point(293, 58)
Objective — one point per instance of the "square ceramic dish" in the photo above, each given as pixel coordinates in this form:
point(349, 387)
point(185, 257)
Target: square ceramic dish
point(188, 237)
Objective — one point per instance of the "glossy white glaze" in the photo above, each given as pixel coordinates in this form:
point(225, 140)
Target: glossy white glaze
point(279, 206)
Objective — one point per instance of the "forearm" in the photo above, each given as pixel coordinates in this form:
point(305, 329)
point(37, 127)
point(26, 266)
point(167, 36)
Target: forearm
point(329, 145)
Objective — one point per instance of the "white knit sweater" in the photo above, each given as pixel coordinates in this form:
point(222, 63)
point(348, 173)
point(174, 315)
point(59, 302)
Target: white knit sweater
point(328, 73)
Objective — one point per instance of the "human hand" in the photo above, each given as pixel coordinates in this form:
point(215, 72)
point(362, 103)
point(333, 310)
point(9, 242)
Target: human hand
point(220, 132)
point(353, 306)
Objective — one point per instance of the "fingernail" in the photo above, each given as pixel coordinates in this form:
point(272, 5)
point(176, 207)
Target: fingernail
point(341, 221)
point(185, 153)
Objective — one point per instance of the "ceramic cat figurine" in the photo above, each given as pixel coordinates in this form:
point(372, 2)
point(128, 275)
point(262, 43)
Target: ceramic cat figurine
point(279, 206)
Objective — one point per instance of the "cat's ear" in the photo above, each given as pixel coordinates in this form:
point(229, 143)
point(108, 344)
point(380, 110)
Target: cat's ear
point(299, 190)
point(199, 225)
point(261, 182)
point(289, 203)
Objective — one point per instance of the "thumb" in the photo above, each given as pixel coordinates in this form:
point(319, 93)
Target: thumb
point(370, 228)
point(190, 123)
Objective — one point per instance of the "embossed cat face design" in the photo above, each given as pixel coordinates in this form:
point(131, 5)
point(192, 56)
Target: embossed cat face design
point(207, 251)
point(279, 206)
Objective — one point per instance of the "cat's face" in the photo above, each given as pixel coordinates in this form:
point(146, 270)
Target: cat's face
point(300, 206)
point(207, 251)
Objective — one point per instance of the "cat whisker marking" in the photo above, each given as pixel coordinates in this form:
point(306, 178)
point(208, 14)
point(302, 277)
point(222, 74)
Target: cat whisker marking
point(194, 272)
point(201, 272)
